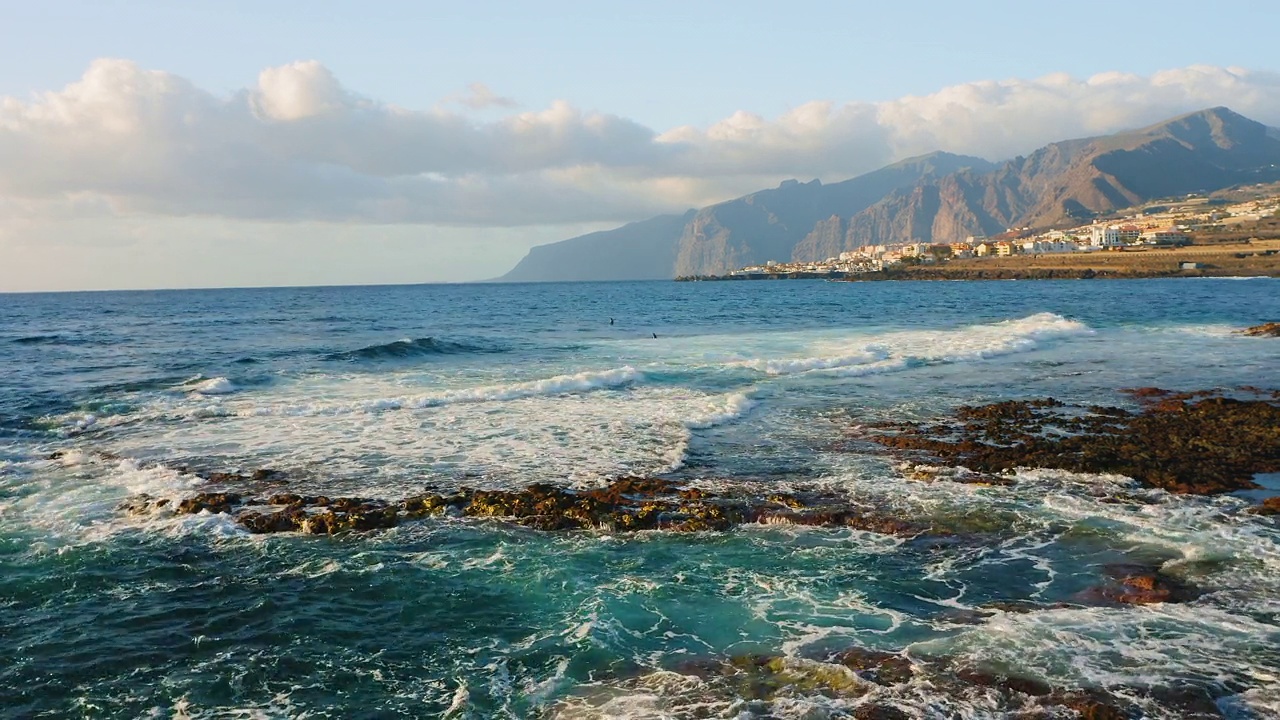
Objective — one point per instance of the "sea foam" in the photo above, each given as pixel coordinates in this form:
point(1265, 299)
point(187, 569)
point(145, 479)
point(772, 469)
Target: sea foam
point(904, 349)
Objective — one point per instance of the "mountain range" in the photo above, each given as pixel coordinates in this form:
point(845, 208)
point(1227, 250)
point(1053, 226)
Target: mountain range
point(938, 198)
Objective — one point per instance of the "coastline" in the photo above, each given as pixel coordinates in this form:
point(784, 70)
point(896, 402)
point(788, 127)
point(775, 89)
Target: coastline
point(1259, 258)
point(944, 274)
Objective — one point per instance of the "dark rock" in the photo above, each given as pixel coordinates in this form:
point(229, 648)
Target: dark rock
point(1196, 443)
point(286, 499)
point(1024, 606)
point(1007, 684)
point(882, 668)
point(283, 521)
point(142, 504)
point(265, 474)
point(209, 502)
point(879, 711)
point(1189, 702)
point(1088, 704)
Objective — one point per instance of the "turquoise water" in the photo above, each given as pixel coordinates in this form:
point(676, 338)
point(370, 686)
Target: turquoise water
point(383, 391)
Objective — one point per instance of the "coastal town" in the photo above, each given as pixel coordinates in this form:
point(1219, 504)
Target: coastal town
point(1154, 229)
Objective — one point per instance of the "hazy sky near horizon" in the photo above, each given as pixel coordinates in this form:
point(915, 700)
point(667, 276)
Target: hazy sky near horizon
point(161, 144)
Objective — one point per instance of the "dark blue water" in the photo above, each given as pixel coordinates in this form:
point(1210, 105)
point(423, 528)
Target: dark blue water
point(380, 391)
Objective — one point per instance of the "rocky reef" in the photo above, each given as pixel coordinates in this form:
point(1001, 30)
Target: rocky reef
point(626, 504)
point(1271, 329)
point(1202, 443)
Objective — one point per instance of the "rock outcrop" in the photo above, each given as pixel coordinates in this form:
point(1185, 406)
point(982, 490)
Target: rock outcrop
point(1200, 443)
point(1271, 329)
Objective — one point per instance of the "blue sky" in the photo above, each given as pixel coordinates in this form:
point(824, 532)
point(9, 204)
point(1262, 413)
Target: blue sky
point(660, 62)
point(635, 108)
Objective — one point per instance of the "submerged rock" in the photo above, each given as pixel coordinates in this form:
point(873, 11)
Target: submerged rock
point(881, 668)
point(1142, 585)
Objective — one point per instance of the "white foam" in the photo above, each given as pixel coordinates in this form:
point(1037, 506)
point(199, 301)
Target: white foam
point(723, 410)
point(214, 386)
point(558, 385)
point(870, 354)
point(569, 384)
point(900, 350)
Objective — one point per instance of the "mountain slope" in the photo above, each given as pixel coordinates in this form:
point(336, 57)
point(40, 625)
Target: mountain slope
point(754, 228)
point(1070, 181)
point(779, 224)
point(934, 198)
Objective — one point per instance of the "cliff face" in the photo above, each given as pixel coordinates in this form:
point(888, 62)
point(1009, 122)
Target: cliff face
point(766, 225)
point(934, 198)
point(644, 250)
point(796, 221)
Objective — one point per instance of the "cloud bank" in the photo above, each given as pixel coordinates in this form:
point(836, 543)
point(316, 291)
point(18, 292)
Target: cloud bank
point(300, 146)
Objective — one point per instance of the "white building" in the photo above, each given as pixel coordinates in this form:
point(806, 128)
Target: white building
point(1040, 247)
point(1104, 237)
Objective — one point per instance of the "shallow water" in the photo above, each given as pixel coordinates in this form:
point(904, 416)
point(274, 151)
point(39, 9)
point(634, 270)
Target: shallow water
point(381, 392)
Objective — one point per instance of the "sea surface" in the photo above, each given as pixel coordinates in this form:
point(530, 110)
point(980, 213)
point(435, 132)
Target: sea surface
point(381, 391)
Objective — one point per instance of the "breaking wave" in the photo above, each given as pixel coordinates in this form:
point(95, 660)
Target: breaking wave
point(411, 348)
point(211, 386)
point(910, 349)
point(37, 340)
point(558, 385)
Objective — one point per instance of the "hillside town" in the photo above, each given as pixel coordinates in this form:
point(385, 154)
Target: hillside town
point(1164, 225)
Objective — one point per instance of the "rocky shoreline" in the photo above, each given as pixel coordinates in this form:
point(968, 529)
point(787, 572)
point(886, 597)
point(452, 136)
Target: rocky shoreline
point(1200, 443)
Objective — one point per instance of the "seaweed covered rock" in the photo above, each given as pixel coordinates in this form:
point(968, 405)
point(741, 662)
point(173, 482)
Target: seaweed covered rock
point(1197, 443)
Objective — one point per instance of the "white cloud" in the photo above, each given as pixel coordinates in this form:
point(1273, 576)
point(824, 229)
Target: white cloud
point(299, 90)
point(298, 146)
point(480, 97)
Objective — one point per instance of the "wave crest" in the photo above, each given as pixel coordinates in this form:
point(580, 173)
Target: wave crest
point(913, 348)
point(409, 348)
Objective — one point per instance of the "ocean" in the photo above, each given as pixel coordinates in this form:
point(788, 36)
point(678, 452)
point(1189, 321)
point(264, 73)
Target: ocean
point(384, 392)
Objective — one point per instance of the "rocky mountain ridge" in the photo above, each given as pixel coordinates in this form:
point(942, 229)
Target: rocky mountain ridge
point(939, 197)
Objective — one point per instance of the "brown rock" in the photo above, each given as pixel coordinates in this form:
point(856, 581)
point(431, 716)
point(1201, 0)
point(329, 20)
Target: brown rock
point(1271, 329)
point(209, 502)
point(1006, 684)
point(1270, 506)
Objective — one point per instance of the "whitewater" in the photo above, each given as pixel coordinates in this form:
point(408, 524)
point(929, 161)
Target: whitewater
point(757, 388)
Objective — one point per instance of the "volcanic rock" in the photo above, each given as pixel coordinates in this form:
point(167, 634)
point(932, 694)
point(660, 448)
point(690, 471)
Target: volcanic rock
point(1200, 443)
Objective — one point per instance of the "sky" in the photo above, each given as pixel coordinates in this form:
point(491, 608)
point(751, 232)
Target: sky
point(171, 144)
